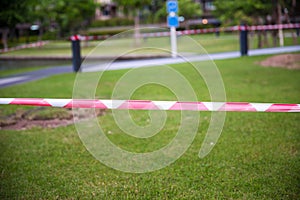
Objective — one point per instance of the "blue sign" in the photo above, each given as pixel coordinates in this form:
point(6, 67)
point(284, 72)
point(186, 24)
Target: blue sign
point(173, 21)
point(172, 6)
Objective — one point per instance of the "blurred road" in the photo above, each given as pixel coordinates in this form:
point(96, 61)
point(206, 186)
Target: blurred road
point(33, 75)
point(126, 64)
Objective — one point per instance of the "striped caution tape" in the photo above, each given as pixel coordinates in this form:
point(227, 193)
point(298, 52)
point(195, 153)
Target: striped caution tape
point(197, 31)
point(25, 46)
point(154, 105)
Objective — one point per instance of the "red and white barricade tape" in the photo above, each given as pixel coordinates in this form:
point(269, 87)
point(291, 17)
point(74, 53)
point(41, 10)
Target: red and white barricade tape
point(154, 105)
point(201, 31)
point(25, 46)
point(89, 38)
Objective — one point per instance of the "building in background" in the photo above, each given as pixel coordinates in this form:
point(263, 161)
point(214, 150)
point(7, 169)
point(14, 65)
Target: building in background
point(207, 8)
point(106, 9)
point(207, 17)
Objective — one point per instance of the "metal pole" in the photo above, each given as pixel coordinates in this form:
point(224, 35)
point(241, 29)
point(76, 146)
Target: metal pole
point(173, 41)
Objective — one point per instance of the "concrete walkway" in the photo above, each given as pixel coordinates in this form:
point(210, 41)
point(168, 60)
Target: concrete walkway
point(33, 75)
point(42, 73)
point(161, 61)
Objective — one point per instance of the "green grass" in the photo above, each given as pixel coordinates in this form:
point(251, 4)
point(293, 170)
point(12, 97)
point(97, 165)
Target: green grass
point(7, 72)
point(211, 43)
point(256, 157)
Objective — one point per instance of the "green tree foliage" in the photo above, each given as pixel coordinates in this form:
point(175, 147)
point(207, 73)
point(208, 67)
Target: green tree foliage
point(14, 11)
point(69, 15)
point(131, 7)
point(237, 11)
point(133, 3)
point(256, 12)
point(134, 7)
point(186, 8)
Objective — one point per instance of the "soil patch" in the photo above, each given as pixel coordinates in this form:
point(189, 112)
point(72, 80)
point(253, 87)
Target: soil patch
point(289, 61)
point(44, 117)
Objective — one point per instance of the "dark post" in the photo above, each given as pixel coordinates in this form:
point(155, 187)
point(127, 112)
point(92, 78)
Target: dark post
point(217, 31)
point(217, 25)
point(76, 59)
point(244, 40)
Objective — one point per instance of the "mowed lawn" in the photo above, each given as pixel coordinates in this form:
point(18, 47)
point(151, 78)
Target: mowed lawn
point(113, 46)
point(256, 157)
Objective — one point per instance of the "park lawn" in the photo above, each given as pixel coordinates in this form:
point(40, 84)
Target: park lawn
point(120, 46)
point(256, 157)
point(8, 72)
point(212, 44)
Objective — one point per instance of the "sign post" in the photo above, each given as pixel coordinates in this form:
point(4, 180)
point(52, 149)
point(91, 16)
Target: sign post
point(173, 22)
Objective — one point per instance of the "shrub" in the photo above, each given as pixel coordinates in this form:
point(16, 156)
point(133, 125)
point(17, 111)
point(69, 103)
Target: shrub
point(112, 22)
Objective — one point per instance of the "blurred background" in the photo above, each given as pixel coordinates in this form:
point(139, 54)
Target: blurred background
point(35, 20)
point(37, 32)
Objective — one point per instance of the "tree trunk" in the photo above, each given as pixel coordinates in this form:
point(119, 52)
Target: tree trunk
point(287, 17)
point(259, 21)
point(27, 32)
point(274, 35)
point(259, 39)
point(41, 32)
point(293, 33)
point(265, 39)
point(4, 32)
point(274, 20)
point(137, 34)
point(280, 33)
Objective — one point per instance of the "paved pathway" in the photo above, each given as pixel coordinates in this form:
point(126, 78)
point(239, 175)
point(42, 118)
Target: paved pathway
point(33, 75)
point(39, 74)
